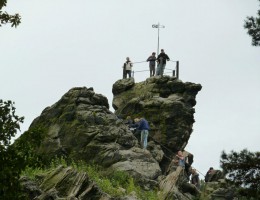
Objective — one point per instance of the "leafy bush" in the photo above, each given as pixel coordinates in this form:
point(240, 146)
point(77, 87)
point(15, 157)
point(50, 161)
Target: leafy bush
point(26, 146)
point(11, 163)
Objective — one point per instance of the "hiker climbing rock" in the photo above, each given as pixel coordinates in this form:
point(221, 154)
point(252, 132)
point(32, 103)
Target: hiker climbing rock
point(143, 126)
point(151, 61)
point(129, 121)
point(127, 68)
point(180, 159)
point(195, 178)
point(209, 172)
point(161, 59)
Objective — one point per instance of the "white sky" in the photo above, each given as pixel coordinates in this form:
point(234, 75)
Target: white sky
point(63, 44)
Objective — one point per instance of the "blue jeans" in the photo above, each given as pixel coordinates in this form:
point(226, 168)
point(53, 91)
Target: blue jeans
point(160, 69)
point(144, 137)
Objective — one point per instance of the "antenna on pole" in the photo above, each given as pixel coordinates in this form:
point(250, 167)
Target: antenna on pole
point(158, 26)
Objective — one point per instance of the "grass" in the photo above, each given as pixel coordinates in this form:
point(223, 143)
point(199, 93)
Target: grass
point(115, 183)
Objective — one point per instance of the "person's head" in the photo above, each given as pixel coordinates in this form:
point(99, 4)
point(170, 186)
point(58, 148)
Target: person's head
point(128, 117)
point(179, 153)
point(162, 50)
point(153, 53)
point(127, 58)
point(211, 168)
point(136, 119)
point(193, 171)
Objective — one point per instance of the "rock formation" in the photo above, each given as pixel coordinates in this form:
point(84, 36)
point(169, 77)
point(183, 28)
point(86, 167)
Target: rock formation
point(166, 102)
point(80, 126)
point(63, 182)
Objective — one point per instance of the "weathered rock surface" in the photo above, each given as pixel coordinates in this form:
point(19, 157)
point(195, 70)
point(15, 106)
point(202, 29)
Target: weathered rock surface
point(176, 186)
point(64, 183)
point(81, 127)
point(166, 102)
point(218, 188)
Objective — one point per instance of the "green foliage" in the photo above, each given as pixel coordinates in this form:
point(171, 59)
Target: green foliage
point(31, 172)
point(2, 3)
point(131, 186)
point(9, 123)
point(11, 163)
point(252, 24)
point(119, 179)
point(243, 169)
point(59, 161)
point(27, 144)
point(5, 18)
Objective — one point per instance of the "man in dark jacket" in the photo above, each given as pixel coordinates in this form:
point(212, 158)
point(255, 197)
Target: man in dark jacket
point(162, 57)
point(195, 179)
point(143, 126)
point(209, 174)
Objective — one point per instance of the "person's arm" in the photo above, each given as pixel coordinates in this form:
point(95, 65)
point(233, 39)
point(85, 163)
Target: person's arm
point(167, 57)
point(134, 125)
point(158, 57)
point(141, 125)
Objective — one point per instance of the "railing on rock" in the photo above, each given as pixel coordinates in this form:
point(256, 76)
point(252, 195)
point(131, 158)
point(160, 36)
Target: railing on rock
point(174, 70)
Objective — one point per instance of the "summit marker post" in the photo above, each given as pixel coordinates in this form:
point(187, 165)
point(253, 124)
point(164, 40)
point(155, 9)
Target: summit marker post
point(158, 26)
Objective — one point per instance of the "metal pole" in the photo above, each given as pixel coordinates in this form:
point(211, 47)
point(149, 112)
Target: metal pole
point(173, 73)
point(177, 69)
point(158, 39)
point(158, 26)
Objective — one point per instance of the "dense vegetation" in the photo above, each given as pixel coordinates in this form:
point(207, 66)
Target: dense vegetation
point(252, 24)
point(243, 170)
point(11, 163)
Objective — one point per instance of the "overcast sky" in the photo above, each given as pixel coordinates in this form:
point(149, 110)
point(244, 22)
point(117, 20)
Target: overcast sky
point(63, 44)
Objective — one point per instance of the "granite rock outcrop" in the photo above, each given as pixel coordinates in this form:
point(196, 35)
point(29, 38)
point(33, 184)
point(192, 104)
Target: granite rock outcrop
point(80, 126)
point(166, 102)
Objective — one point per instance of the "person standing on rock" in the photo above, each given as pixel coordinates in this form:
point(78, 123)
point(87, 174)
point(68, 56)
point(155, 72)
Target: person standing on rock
point(195, 179)
point(180, 159)
point(152, 60)
point(127, 68)
point(161, 59)
point(143, 126)
point(208, 174)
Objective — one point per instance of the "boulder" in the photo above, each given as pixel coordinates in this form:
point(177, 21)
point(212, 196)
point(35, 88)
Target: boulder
point(175, 186)
point(64, 183)
point(166, 102)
